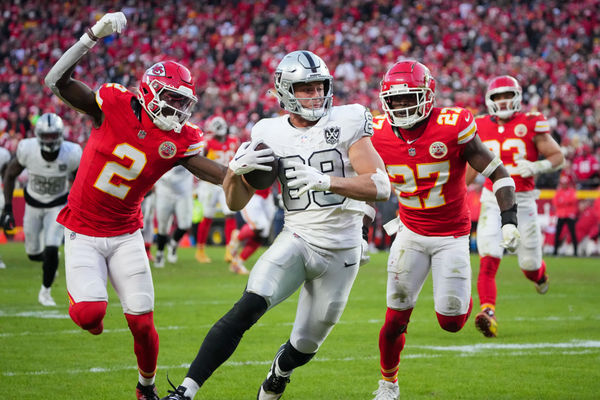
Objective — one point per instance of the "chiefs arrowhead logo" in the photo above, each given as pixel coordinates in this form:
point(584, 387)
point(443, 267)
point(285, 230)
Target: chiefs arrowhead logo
point(157, 69)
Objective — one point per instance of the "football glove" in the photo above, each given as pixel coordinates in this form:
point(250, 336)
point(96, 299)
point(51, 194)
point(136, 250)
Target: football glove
point(305, 178)
point(247, 158)
point(7, 219)
point(510, 237)
point(109, 24)
point(527, 168)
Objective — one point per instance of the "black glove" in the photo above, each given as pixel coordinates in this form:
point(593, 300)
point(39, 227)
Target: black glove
point(7, 220)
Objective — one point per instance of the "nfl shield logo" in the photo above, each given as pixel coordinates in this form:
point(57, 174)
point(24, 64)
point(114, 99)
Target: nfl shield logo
point(412, 152)
point(332, 134)
point(141, 134)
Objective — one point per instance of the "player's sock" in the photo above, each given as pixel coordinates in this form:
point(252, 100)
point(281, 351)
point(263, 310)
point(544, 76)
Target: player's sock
point(486, 280)
point(289, 358)
point(161, 241)
point(225, 335)
point(178, 234)
point(250, 247)
point(537, 275)
point(230, 226)
point(50, 265)
point(391, 342)
point(145, 343)
point(246, 233)
point(203, 229)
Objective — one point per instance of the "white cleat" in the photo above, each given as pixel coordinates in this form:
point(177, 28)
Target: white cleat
point(159, 259)
point(238, 267)
point(172, 252)
point(387, 391)
point(45, 298)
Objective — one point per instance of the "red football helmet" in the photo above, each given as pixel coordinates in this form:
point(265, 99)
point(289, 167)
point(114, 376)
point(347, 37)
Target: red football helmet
point(167, 93)
point(503, 108)
point(412, 81)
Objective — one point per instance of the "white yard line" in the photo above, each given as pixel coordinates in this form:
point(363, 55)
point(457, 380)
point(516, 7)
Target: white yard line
point(574, 347)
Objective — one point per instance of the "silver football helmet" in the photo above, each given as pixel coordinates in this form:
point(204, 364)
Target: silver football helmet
point(302, 66)
point(216, 125)
point(49, 130)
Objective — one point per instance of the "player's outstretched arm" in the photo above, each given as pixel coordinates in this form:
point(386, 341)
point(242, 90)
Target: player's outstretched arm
point(371, 183)
point(74, 93)
point(205, 169)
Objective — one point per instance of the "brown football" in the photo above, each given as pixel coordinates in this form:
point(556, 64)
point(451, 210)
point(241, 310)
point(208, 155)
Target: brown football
point(259, 179)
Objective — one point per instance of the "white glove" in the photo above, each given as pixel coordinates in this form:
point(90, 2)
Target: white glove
point(510, 237)
point(247, 158)
point(307, 178)
point(527, 168)
point(364, 252)
point(109, 24)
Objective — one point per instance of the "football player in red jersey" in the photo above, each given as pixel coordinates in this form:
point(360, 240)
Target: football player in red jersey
point(518, 139)
point(219, 147)
point(426, 150)
point(135, 139)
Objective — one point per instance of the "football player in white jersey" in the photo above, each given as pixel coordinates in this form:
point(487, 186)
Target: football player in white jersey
point(328, 168)
point(4, 159)
point(51, 163)
point(174, 197)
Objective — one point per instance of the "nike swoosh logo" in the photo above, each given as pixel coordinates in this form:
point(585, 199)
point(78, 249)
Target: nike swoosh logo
point(346, 265)
point(468, 117)
point(238, 157)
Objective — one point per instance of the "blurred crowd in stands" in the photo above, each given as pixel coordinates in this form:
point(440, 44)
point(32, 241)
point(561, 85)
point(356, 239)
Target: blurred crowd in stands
point(232, 48)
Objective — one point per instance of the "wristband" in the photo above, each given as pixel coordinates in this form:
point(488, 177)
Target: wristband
point(509, 216)
point(503, 182)
point(91, 34)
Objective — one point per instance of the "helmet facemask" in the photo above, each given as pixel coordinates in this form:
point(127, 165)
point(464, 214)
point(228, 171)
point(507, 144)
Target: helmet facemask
point(406, 117)
point(170, 107)
point(49, 131)
point(503, 108)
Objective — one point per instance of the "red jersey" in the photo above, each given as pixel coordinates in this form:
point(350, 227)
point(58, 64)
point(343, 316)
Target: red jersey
point(123, 158)
point(221, 152)
point(513, 141)
point(264, 193)
point(428, 173)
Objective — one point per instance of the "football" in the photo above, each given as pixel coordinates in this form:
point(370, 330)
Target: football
point(259, 179)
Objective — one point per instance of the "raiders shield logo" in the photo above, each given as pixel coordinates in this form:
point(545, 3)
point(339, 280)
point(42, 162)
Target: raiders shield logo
point(438, 150)
point(167, 150)
point(332, 134)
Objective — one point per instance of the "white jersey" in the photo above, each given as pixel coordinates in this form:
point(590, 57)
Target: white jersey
point(177, 181)
point(324, 219)
point(48, 180)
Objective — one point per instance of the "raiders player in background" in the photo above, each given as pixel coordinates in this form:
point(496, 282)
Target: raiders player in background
point(51, 163)
point(4, 159)
point(328, 169)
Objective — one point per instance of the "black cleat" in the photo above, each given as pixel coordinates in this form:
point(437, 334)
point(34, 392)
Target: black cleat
point(272, 388)
point(146, 392)
point(177, 393)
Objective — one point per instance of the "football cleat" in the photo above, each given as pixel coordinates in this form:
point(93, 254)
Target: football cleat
point(172, 252)
point(387, 391)
point(201, 256)
point(237, 266)
point(159, 259)
point(485, 322)
point(272, 388)
point(45, 298)
point(178, 393)
point(542, 285)
point(233, 246)
point(146, 392)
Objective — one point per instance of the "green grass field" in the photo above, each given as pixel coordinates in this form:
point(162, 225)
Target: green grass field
point(548, 346)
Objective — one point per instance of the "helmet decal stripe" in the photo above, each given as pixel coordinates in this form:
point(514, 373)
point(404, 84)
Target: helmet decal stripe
point(311, 62)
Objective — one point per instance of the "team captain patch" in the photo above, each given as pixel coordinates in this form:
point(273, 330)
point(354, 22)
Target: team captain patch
point(438, 150)
point(167, 150)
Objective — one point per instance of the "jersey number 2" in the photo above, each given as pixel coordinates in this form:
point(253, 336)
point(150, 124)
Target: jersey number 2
point(435, 197)
point(111, 168)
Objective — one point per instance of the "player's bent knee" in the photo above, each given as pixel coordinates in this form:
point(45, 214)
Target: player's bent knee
point(529, 263)
point(88, 314)
point(306, 345)
point(450, 321)
point(139, 303)
point(140, 324)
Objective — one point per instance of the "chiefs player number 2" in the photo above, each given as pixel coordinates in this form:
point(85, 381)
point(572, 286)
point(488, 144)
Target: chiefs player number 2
point(111, 169)
point(406, 182)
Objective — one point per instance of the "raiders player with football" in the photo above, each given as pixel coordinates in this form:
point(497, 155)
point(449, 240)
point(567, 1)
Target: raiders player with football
point(426, 150)
point(51, 163)
point(328, 168)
